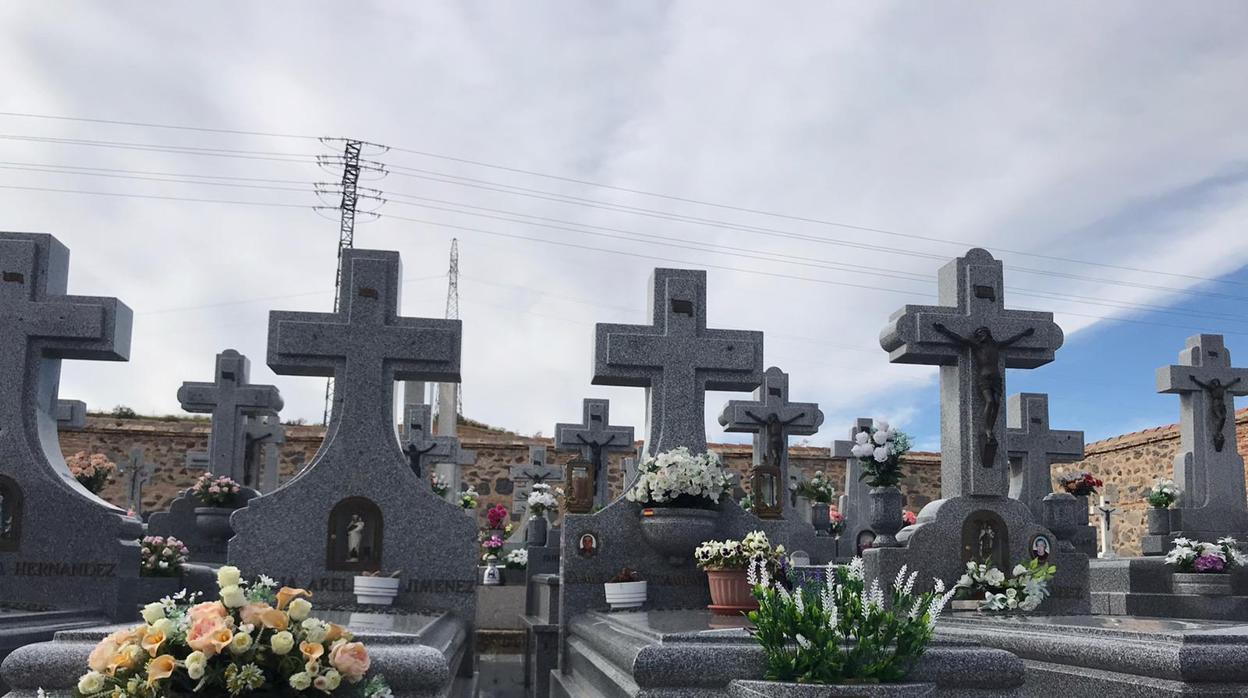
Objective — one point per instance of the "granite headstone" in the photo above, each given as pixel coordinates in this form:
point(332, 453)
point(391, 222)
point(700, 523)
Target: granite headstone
point(855, 502)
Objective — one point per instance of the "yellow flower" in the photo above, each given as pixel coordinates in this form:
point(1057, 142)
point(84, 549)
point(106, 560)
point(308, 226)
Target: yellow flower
point(299, 609)
point(153, 612)
point(274, 619)
point(286, 594)
point(282, 642)
point(300, 681)
point(228, 576)
point(91, 682)
point(127, 657)
point(152, 641)
point(196, 665)
point(163, 625)
point(160, 668)
point(240, 643)
point(312, 651)
point(232, 596)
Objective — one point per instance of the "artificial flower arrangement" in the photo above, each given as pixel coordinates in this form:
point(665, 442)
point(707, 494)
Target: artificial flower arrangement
point(817, 489)
point(746, 503)
point(843, 631)
point(439, 485)
point(216, 490)
point(541, 499)
point(252, 640)
point(836, 523)
point(738, 555)
point(91, 471)
point(491, 546)
point(908, 518)
point(162, 557)
point(880, 451)
point(1195, 556)
point(517, 559)
point(1080, 483)
point(680, 478)
point(1024, 591)
point(468, 499)
point(1163, 494)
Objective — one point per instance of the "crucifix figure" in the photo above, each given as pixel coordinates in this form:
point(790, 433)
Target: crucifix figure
point(1107, 509)
point(1033, 449)
point(594, 437)
point(422, 447)
point(230, 399)
point(677, 359)
point(1208, 468)
point(960, 335)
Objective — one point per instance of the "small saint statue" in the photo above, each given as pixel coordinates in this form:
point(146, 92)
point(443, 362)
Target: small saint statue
point(355, 536)
point(1217, 407)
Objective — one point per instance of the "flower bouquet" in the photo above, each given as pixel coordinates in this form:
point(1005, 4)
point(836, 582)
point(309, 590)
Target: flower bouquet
point(680, 478)
point(439, 485)
point(1028, 587)
point(541, 499)
point(517, 559)
point(836, 523)
point(92, 472)
point(1163, 494)
point(817, 489)
point(725, 563)
point(490, 548)
point(162, 557)
point(1080, 483)
point(747, 503)
point(216, 490)
point(880, 451)
point(908, 517)
point(1190, 556)
point(468, 499)
point(252, 640)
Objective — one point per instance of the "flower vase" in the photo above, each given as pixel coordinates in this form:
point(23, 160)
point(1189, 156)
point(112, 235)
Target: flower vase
point(819, 517)
point(676, 531)
point(376, 591)
point(1158, 521)
point(625, 595)
point(730, 592)
point(213, 523)
point(885, 516)
point(537, 530)
point(492, 577)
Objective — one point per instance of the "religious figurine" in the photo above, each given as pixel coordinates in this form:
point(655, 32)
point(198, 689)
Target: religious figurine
point(987, 540)
point(595, 449)
point(416, 455)
point(6, 518)
point(355, 534)
point(986, 359)
point(773, 434)
point(1217, 407)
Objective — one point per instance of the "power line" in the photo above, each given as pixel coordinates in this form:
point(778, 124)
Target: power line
point(180, 150)
point(153, 125)
point(157, 196)
point(154, 173)
point(169, 180)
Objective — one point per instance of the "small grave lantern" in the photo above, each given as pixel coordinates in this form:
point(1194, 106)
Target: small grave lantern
point(765, 486)
point(579, 474)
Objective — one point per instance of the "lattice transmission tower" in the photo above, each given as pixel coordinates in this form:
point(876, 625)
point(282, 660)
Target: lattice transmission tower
point(452, 313)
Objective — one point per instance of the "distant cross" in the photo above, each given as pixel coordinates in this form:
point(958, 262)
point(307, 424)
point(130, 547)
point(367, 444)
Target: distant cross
point(265, 436)
point(973, 338)
point(677, 359)
point(1208, 468)
point(1035, 448)
point(523, 478)
point(772, 419)
point(366, 346)
point(594, 437)
point(71, 414)
point(43, 325)
point(423, 448)
point(136, 472)
point(1107, 509)
point(855, 501)
point(230, 398)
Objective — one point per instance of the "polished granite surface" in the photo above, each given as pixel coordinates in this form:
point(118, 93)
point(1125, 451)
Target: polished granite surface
point(698, 625)
point(1160, 628)
point(380, 624)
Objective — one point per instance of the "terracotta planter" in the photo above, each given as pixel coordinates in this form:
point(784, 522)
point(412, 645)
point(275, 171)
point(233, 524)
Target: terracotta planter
point(775, 689)
point(1202, 583)
point(214, 523)
point(675, 531)
point(885, 516)
point(730, 592)
point(1158, 522)
point(536, 533)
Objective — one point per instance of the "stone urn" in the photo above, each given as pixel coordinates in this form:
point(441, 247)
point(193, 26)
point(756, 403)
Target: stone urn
point(214, 523)
point(1061, 513)
point(537, 530)
point(676, 531)
point(1158, 521)
point(731, 594)
point(819, 517)
point(1202, 583)
point(740, 688)
point(885, 518)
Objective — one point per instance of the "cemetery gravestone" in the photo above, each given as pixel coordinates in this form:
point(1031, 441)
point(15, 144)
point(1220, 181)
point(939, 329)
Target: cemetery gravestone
point(196, 460)
point(772, 419)
point(596, 439)
point(855, 503)
point(1033, 449)
point(71, 414)
point(60, 545)
point(523, 478)
point(265, 436)
point(230, 399)
point(135, 472)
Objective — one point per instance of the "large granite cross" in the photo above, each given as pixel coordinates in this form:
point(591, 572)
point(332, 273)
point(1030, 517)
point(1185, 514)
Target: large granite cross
point(1034, 447)
point(230, 398)
point(595, 438)
point(365, 346)
point(855, 500)
point(523, 477)
point(677, 359)
point(423, 448)
point(265, 436)
point(772, 419)
point(1208, 468)
point(973, 338)
point(136, 472)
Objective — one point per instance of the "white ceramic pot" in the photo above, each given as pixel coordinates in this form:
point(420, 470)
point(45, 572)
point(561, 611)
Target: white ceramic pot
point(623, 595)
point(378, 591)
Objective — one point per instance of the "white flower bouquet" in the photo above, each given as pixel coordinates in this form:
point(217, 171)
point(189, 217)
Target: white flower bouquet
point(439, 485)
point(468, 499)
point(880, 452)
point(738, 555)
point(680, 478)
point(1163, 494)
point(1024, 591)
point(517, 559)
point(1195, 556)
point(541, 499)
point(818, 488)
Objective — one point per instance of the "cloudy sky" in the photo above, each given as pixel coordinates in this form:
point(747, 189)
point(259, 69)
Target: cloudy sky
point(821, 160)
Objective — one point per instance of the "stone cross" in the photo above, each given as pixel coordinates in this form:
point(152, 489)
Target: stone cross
point(1107, 509)
point(855, 500)
point(595, 438)
point(71, 414)
point(1033, 448)
point(677, 359)
point(973, 338)
point(1208, 468)
point(523, 478)
point(772, 419)
point(365, 345)
point(230, 398)
point(136, 472)
point(424, 449)
point(265, 436)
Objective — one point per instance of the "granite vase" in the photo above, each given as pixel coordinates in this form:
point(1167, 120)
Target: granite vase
point(677, 531)
point(885, 515)
point(740, 688)
point(1158, 521)
point(537, 530)
point(819, 516)
point(214, 522)
point(731, 594)
point(1202, 583)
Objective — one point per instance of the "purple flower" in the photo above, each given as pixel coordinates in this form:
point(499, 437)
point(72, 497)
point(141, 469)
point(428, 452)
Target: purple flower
point(1210, 563)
